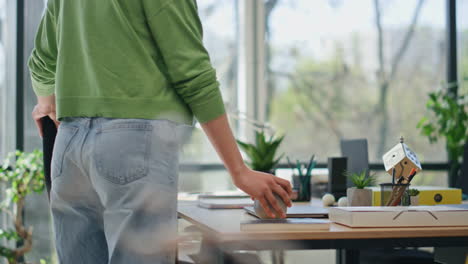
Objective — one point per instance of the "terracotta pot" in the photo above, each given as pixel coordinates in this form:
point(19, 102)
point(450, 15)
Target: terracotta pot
point(359, 197)
point(414, 200)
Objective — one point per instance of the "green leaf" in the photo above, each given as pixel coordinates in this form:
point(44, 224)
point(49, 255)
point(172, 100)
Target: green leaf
point(422, 121)
point(299, 168)
point(262, 154)
point(9, 234)
point(360, 180)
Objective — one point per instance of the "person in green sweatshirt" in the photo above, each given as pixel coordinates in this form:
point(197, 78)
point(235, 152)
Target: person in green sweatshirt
point(122, 79)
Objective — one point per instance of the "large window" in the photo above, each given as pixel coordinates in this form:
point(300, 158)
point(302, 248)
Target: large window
point(220, 28)
point(219, 20)
point(3, 26)
point(353, 69)
point(7, 77)
point(37, 206)
point(462, 27)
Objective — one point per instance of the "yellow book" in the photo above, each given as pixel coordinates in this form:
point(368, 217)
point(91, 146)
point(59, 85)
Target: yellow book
point(428, 195)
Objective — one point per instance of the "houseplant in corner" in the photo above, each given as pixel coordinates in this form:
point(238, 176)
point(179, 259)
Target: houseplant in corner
point(359, 195)
point(23, 176)
point(449, 121)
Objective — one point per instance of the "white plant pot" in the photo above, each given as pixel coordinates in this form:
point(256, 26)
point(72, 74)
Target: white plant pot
point(359, 197)
point(414, 200)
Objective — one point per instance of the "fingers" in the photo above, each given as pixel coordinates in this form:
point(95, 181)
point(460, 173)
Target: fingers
point(37, 115)
point(285, 184)
point(283, 194)
point(39, 112)
point(39, 127)
point(274, 203)
point(53, 116)
point(266, 207)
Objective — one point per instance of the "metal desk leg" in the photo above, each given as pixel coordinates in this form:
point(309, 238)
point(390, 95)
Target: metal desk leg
point(211, 253)
point(277, 256)
point(347, 256)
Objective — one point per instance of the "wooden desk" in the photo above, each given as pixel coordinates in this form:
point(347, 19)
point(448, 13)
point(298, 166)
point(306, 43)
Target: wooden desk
point(222, 234)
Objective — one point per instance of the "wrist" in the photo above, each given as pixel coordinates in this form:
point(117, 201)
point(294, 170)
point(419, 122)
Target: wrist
point(46, 100)
point(238, 172)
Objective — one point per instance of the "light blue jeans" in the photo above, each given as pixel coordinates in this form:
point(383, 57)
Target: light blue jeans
point(114, 190)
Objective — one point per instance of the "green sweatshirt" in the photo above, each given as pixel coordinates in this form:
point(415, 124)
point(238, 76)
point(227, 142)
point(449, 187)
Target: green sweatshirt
point(125, 59)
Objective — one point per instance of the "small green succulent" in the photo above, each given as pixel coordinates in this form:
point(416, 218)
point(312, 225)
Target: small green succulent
point(413, 192)
point(361, 180)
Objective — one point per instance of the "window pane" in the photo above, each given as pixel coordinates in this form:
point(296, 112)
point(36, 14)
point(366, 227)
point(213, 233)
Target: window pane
point(7, 78)
point(37, 206)
point(336, 75)
point(3, 90)
point(219, 18)
point(462, 28)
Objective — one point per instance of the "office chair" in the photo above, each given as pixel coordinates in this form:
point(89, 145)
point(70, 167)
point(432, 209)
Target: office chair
point(356, 151)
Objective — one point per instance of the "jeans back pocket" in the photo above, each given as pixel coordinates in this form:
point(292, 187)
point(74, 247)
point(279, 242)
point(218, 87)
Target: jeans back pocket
point(65, 134)
point(122, 151)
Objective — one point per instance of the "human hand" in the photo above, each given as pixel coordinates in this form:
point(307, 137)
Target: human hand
point(262, 186)
point(45, 107)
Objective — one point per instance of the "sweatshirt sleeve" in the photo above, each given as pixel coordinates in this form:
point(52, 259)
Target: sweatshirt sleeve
point(43, 60)
point(177, 30)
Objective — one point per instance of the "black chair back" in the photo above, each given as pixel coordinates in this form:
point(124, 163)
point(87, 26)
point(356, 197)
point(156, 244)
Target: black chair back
point(356, 151)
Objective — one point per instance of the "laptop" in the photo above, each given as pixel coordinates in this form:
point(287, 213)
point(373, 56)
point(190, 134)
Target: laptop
point(298, 211)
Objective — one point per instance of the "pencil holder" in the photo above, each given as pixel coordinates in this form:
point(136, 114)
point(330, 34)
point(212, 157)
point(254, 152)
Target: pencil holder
point(302, 184)
point(393, 194)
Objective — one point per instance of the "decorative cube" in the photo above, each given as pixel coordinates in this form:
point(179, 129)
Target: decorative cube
point(402, 159)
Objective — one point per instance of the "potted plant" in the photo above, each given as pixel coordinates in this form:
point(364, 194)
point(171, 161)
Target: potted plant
point(414, 196)
point(262, 154)
point(359, 195)
point(449, 120)
point(302, 180)
point(25, 175)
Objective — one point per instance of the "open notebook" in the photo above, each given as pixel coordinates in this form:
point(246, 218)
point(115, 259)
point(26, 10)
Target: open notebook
point(299, 211)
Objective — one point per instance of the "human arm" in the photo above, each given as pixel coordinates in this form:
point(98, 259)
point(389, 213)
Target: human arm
point(177, 31)
point(258, 185)
point(42, 66)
